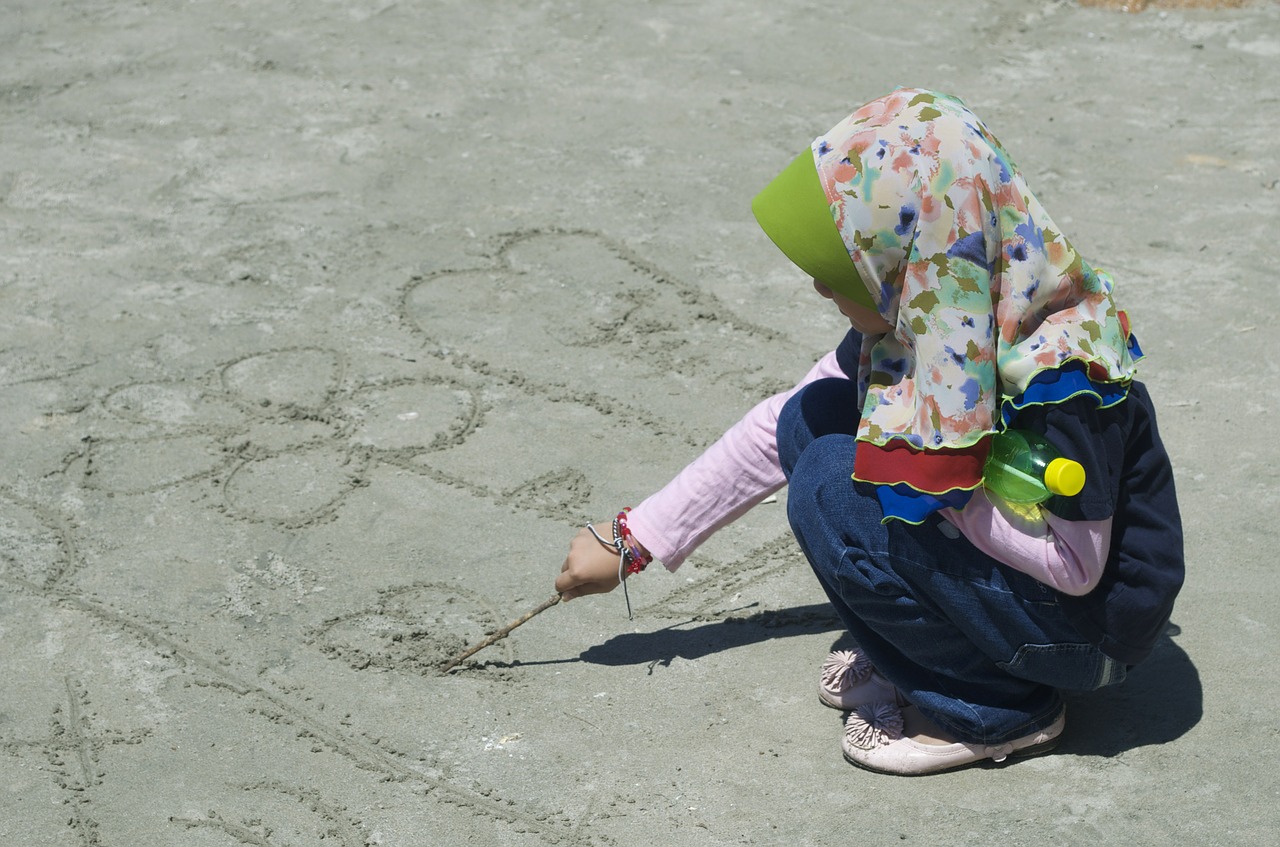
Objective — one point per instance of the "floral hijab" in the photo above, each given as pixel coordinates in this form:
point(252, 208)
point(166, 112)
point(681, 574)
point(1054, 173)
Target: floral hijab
point(992, 307)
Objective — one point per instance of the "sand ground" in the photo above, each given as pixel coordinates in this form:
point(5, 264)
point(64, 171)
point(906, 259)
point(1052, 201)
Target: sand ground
point(323, 324)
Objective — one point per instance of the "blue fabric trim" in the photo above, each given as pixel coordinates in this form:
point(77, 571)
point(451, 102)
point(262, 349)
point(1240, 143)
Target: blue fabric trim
point(1057, 385)
point(904, 503)
point(1134, 350)
point(1049, 387)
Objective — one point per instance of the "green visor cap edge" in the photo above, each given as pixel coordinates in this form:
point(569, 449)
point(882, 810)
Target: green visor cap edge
point(793, 211)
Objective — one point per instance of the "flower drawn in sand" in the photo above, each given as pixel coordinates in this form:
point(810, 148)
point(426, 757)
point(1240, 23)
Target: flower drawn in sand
point(281, 433)
point(286, 436)
point(564, 305)
point(576, 319)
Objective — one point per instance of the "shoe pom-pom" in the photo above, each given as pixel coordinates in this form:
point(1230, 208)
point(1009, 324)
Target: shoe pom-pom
point(845, 668)
point(873, 725)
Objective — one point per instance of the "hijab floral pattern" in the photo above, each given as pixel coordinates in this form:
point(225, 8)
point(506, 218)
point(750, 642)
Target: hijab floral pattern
point(992, 307)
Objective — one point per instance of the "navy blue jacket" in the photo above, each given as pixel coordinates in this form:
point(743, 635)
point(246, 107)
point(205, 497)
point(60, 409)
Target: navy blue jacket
point(1128, 477)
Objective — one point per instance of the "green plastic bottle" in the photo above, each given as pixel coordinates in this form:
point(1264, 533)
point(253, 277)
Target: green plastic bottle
point(1025, 469)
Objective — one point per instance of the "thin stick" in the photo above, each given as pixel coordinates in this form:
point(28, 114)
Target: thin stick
point(497, 635)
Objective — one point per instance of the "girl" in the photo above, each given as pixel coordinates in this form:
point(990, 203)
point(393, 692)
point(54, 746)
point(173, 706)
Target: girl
point(970, 313)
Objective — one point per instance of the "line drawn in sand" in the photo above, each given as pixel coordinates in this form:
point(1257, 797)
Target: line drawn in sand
point(72, 750)
point(37, 548)
point(604, 313)
point(73, 739)
point(275, 819)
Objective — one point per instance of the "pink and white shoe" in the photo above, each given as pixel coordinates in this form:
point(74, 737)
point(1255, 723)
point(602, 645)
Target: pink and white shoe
point(850, 680)
point(886, 738)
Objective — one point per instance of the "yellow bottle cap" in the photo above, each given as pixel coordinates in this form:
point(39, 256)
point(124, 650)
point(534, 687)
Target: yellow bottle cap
point(1065, 477)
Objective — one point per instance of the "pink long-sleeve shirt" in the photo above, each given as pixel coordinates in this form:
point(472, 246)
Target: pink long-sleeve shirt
point(742, 468)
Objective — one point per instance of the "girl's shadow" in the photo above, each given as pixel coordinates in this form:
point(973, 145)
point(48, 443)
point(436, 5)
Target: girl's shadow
point(660, 647)
point(1159, 701)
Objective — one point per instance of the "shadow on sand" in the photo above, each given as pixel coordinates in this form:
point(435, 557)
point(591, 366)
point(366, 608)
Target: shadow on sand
point(1159, 701)
point(664, 645)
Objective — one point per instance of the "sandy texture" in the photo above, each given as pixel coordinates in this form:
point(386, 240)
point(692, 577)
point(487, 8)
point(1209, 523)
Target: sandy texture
point(1136, 6)
point(323, 324)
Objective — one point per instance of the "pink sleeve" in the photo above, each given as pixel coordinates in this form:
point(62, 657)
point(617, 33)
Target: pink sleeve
point(1066, 555)
point(722, 484)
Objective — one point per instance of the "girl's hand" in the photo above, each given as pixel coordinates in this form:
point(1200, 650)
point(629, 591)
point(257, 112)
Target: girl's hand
point(590, 567)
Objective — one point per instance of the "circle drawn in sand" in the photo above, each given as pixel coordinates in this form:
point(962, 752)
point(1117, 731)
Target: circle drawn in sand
point(414, 415)
point(306, 378)
point(138, 466)
point(416, 628)
point(293, 488)
point(583, 290)
point(171, 405)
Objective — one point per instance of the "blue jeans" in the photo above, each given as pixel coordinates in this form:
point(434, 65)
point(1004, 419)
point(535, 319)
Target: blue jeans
point(980, 648)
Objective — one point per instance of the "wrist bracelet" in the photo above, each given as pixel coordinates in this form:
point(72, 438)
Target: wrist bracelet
point(632, 558)
point(629, 561)
point(637, 558)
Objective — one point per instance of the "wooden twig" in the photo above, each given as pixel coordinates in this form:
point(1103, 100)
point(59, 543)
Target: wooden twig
point(497, 635)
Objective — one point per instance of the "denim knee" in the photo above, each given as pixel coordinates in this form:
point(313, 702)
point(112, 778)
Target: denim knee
point(790, 435)
point(828, 511)
point(823, 407)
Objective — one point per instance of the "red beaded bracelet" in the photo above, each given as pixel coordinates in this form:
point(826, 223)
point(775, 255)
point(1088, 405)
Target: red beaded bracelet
point(637, 558)
point(632, 557)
